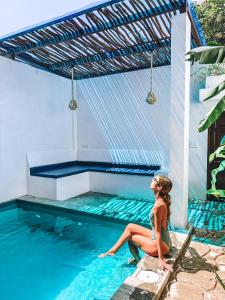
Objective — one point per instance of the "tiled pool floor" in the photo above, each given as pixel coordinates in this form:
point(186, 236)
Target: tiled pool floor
point(207, 217)
point(121, 208)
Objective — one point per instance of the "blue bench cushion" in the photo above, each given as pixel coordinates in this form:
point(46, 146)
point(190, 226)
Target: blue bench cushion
point(76, 167)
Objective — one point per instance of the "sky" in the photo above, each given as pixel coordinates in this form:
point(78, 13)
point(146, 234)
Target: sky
point(17, 14)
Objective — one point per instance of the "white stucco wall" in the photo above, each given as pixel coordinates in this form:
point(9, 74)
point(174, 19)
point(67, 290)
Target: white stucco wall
point(116, 124)
point(198, 141)
point(179, 118)
point(34, 116)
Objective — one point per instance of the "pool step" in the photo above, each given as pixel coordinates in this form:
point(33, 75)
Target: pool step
point(148, 281)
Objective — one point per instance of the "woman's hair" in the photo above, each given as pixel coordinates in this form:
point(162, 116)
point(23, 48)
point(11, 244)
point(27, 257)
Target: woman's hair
point(166, 185)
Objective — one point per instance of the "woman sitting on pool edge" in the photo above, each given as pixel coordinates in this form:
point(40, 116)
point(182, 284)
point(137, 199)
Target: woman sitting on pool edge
point(155, 242)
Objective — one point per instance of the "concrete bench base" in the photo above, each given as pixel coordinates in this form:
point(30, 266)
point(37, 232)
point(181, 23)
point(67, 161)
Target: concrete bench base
point(70, 186)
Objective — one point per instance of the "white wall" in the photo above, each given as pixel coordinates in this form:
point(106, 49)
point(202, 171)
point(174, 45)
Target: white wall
point(34, 116)
point(179, 118)
point(198, 142)
point(116, 124)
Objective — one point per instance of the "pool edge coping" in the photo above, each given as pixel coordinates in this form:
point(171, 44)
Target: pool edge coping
point(165, 278)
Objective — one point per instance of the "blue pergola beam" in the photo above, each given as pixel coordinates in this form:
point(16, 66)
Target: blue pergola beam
point(95, 29)
point(196, 25)
point(149, 46)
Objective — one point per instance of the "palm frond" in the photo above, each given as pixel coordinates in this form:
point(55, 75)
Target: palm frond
point(207, 55)
point(219, 153)
point(217, 90)
point(214, 113)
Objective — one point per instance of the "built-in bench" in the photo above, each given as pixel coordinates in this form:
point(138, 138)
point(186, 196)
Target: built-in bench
point(77, 167)
point(61, 181)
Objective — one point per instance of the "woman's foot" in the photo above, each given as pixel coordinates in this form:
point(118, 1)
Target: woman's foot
point(106, 254)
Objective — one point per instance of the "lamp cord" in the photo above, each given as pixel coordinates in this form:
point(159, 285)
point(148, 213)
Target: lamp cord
point(72, 87)
point(151, 69)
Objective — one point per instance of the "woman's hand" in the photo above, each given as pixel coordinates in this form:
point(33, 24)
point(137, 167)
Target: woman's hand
point(106, 254)
point(164, 266)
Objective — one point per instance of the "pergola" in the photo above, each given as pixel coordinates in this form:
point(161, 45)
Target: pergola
point(111, 37)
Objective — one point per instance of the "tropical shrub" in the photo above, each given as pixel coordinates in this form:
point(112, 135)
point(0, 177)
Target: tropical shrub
point(210, 55)
point(219, 153)
point(212, 18)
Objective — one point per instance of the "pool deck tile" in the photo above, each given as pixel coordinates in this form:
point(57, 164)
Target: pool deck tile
point(203, 284)
point(148, 277)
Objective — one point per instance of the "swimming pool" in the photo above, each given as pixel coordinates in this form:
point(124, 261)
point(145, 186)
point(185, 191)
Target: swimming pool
point(46, 256)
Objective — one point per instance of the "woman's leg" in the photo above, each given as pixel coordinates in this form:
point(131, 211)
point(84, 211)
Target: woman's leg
point(149, 246)
point(130, 230)
point(134, 251)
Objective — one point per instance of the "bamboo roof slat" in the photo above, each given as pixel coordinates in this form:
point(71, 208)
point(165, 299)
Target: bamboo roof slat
point(108, 38)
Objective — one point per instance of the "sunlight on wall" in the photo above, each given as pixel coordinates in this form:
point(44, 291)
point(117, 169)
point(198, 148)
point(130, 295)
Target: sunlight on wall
point(133, 131)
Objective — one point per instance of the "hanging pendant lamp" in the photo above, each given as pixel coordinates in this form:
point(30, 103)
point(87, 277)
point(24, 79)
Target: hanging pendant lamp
point(151, 98)
point(73, 103)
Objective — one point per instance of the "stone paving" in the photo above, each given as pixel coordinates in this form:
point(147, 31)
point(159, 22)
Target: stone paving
point(201, 283)
point(148, 280)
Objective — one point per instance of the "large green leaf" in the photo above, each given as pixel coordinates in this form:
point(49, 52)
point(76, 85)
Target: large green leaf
point(207, 55)
point(216, 91)
point(217, 193)
point(214, 173)
point(219, 153)
point(211, 117)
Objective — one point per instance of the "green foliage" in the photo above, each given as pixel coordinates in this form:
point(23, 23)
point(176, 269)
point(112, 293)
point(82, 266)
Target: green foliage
point(208, 70)
point(216, 193)
point(210, 55)
point(216, 91)
point(214, 113)
point(212, 18)
point(207, 55)
point(214, 173)
point(219, 153)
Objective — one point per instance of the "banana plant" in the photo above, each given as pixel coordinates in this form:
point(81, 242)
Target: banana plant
point(219, 153)
point(207, 55)
point(210, 55)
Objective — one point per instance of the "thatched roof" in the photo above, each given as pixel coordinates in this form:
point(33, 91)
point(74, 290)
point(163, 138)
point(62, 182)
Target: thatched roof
point(108, 38)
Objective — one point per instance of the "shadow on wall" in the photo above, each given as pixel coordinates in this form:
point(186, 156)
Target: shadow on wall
point(113, 115)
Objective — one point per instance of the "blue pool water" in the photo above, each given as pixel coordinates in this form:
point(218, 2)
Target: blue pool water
point(44, 257)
